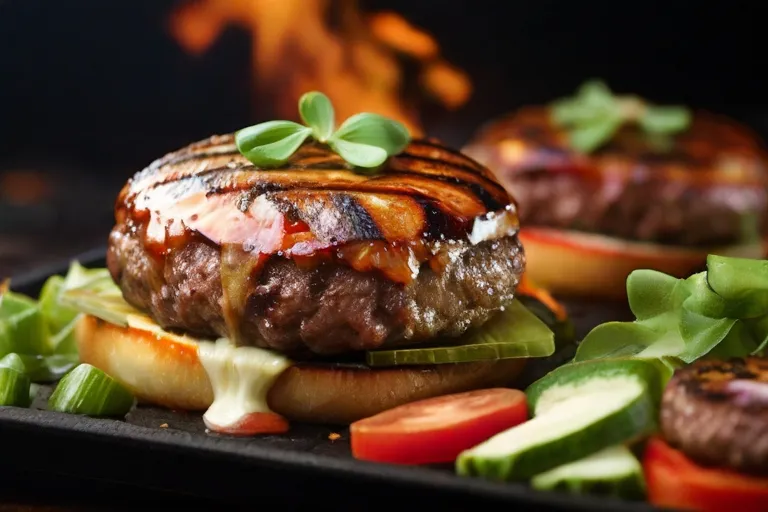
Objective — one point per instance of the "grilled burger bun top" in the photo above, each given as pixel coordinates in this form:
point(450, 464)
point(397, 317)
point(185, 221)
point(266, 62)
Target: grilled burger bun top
point(634, 203)
point(313, 260)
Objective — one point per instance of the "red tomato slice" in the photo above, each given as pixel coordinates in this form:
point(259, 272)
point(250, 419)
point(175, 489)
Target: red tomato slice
point(437, 429)
point(674, 481)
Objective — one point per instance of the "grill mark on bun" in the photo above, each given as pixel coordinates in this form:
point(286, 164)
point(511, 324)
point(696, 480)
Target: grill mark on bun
point(392, 182)
point(364, 225)
point(489, 200)
point(459, 172)
point(441, 163)
point(438, 223)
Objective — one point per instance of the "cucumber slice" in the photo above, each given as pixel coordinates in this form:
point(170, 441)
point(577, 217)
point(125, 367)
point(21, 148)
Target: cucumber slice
point(513, 333)
point(585, 377)
point(614, 471)
point(619, 410)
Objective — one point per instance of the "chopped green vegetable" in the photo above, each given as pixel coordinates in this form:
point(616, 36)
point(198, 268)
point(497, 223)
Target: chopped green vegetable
point(63, 342)
point(614, 471)
point(14, 388)
point(46, 327)
point(514, 333)
point(13, 361)
point(48, 368)
point(89, 391)
point(56, 315)
point(37, 337)
point(21, 328)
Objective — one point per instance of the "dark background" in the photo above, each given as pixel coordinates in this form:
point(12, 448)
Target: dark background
point(91, 91)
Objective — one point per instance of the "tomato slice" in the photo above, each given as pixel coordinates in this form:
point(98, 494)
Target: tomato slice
point(674, 481)
point(437, 429)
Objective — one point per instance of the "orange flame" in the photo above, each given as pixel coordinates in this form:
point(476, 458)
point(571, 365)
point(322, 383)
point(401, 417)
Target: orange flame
point(295, 49)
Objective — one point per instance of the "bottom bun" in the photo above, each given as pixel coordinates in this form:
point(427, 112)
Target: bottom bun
point(164, 369)
point(570, 263)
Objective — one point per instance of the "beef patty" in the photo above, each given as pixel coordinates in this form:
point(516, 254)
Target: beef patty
point(708, 189)
point(315, 258)
point(329, 309)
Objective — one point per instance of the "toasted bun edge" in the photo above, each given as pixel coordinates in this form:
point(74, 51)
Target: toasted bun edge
point(165, 370)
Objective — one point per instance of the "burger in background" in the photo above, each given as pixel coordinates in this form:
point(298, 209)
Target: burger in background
point(607, 184)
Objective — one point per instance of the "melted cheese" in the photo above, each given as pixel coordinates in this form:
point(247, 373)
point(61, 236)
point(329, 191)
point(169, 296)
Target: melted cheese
point(240, 378)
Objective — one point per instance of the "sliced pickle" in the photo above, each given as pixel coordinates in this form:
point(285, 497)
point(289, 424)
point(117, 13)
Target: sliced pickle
point(513, 333)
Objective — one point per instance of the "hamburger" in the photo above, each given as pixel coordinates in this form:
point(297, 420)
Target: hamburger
point(711, 451)
point(607, 184)
point(309, 275)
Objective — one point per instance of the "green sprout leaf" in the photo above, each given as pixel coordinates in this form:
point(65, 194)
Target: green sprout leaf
point(272, 143)
point(594, 115)
point(593, 102)
point(596, 93)
point(360, 155)
point(317, 112)
point(364, 140)
point(374, 130)
point(665, 120)
point(590, 136)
